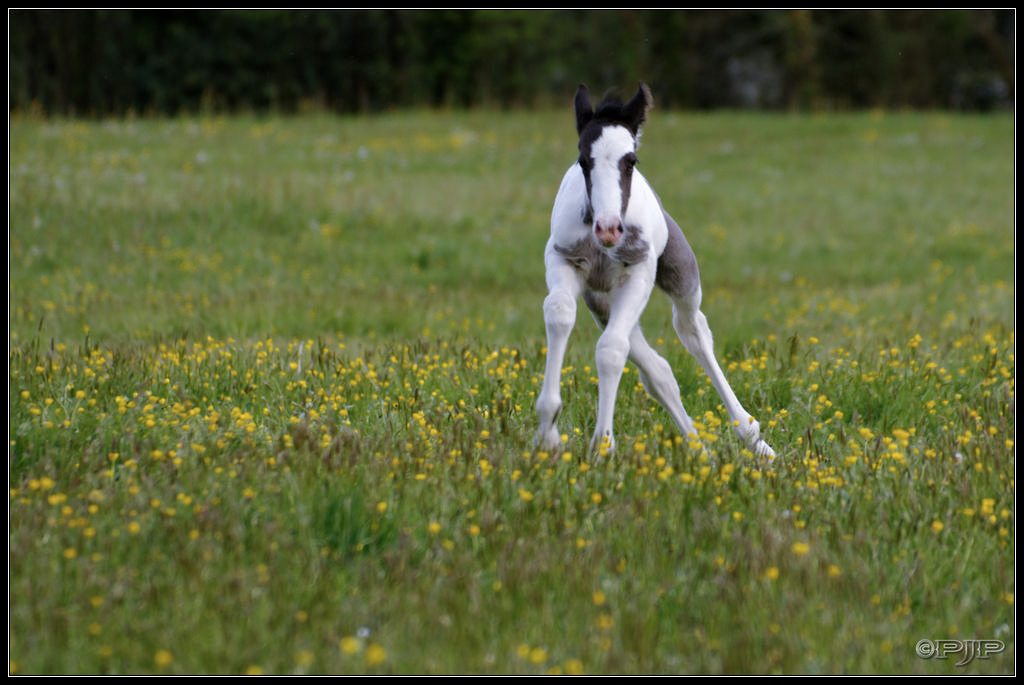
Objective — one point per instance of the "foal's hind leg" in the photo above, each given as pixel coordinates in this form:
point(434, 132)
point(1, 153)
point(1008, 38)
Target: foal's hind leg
point(659, 381)
point(678, 277)
point(692, 328)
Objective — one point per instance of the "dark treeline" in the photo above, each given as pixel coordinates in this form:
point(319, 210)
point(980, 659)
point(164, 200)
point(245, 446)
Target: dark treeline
point(112, 62)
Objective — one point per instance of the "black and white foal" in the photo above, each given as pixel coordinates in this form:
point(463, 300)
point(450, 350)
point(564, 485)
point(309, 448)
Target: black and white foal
point(611, 243)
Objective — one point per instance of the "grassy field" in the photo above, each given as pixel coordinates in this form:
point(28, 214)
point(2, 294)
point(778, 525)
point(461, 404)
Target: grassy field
point(271, 386)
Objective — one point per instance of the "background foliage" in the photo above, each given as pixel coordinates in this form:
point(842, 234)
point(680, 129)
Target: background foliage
point(103, 62)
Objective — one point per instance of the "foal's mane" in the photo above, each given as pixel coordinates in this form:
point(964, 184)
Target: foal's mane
point(611, 108)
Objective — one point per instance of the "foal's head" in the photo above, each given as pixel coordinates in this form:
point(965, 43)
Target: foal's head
point(608, 141)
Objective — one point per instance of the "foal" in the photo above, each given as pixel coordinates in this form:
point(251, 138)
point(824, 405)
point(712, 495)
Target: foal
point(611, 243)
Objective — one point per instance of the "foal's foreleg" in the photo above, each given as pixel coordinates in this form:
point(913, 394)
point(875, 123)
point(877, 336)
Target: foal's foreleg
point(655, 373)
point(614, 348)
point(559, 318)
point(693, 331)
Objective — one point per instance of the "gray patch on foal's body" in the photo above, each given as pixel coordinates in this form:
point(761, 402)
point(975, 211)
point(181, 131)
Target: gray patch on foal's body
point(632, 248)
point(597, 303)
point(677, 273)
point(589, 260)
point(595, 263)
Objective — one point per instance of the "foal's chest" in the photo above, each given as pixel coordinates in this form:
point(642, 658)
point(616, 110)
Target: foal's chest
point(604, 270)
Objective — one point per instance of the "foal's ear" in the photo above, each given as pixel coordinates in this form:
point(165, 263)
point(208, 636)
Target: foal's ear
point(636, 109)
point(584, 110)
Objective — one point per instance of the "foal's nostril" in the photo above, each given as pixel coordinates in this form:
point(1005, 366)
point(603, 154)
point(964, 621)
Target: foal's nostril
point(608, 234)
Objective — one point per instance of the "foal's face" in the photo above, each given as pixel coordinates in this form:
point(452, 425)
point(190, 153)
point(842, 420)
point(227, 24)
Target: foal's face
point(607, 157)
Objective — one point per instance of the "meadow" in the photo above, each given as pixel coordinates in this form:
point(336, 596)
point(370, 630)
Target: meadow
point(271, 386)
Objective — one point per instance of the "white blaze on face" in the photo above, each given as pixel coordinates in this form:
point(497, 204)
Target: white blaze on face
point(610, 156)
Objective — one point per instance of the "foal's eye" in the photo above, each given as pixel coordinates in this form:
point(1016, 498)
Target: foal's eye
point(627, 163)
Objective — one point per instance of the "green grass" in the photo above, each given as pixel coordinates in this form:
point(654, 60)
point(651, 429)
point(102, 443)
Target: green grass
point(271, 388)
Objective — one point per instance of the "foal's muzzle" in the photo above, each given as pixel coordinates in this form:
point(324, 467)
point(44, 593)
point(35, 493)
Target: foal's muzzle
point(608, 233)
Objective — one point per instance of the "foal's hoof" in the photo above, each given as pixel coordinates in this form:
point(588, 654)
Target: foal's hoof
point(601, 447)
point(763, 449)
point(549, 441)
